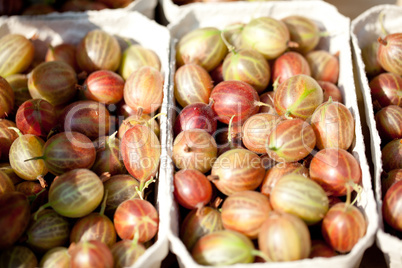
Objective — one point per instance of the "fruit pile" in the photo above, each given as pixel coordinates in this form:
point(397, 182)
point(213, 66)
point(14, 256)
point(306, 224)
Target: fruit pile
point(261, 145)
point(73, 190)
point(382, 59)
point(40, 7)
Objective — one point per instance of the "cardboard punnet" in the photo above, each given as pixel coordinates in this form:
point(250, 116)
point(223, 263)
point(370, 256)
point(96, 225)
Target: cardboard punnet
point(364, 30)
point(328, 19)
point(133, 26)
point(146, 7)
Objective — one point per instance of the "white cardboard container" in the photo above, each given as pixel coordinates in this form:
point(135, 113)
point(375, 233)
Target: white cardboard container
point(364, 30)
point(71, 28)
point(171, 11)
point(146, 7)
point(328, 19)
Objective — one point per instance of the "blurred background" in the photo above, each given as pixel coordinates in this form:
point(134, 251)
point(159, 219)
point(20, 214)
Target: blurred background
point(352, 8)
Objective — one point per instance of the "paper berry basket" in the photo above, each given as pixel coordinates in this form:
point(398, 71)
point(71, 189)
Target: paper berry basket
point(365, 29)
point(330, 20)
point(126, 25)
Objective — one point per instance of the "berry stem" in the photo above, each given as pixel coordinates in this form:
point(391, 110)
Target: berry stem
point(216, 202)
point(381, 19)
point(143, 185)
point(382, 41)
point(35, 158)
point(198, 211)
point(51, 48)
point(230, 131)
point(293, 44)
point(230, 47)
point(213, 178)
point(42, 181)
point(358, 189)
point(128, 42)
point(199, 206)
point(53, 131)
point(187, 148)
point(40, 209)
point(351, 185)
point(323, 34)
point(105, 176)
point(260, 103)
point(153, 118)
point(33, 197)
point(348, 196)
point(233, 27)
point(111, 139)
point(261, 254)
point(139, 190)
point(140, 111)
point(135, 239)
point(211, 101)
point(16, 130)
point(103, 206)
point(288, 115)
point(276, 83)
